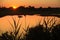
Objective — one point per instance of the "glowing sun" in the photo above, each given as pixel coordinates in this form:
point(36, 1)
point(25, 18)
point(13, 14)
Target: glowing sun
point(14, 7)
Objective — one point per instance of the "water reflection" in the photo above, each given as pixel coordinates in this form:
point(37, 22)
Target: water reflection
point(25, 21)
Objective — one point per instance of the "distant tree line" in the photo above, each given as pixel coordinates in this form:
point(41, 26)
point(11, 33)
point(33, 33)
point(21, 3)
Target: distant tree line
point(28, 11)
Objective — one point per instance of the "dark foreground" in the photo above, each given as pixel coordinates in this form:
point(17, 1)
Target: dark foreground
point(39, 32)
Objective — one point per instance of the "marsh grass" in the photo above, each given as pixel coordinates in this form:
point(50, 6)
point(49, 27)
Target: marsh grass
point(41, 32)
point(38, 32)
point(12, 35)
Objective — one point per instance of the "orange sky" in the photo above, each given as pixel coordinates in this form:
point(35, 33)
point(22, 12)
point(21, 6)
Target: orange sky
point(36, 3)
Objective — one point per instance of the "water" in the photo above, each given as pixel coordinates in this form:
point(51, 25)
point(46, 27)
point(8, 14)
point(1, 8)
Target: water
point(25, 21)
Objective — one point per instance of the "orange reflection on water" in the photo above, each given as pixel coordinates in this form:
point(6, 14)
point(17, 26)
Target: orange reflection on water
point(25, 21)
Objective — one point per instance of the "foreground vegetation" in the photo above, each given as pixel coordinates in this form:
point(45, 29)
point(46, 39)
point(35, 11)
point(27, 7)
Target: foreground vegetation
point(39, 32)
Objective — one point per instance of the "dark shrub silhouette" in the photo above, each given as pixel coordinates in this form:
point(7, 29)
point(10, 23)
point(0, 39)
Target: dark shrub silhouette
point(38, 33)
point(56, 32)
point(41, 32)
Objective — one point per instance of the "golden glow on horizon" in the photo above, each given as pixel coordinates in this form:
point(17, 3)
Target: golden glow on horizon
point(35, 3)
point(14, 7)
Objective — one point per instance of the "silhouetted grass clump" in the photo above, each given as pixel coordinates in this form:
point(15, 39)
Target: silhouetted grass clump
point(56, 32)
point(38, 33)
point(6, 36)
point(12, 35)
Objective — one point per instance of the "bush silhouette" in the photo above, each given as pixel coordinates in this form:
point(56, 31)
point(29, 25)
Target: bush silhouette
point(38, 33)
point(56, 32)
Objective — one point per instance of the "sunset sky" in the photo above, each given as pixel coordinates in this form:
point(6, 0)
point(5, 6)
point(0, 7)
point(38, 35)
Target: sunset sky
point(36, 3)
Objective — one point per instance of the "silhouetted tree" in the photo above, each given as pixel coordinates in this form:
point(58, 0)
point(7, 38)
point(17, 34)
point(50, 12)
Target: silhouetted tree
point(5, 11)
